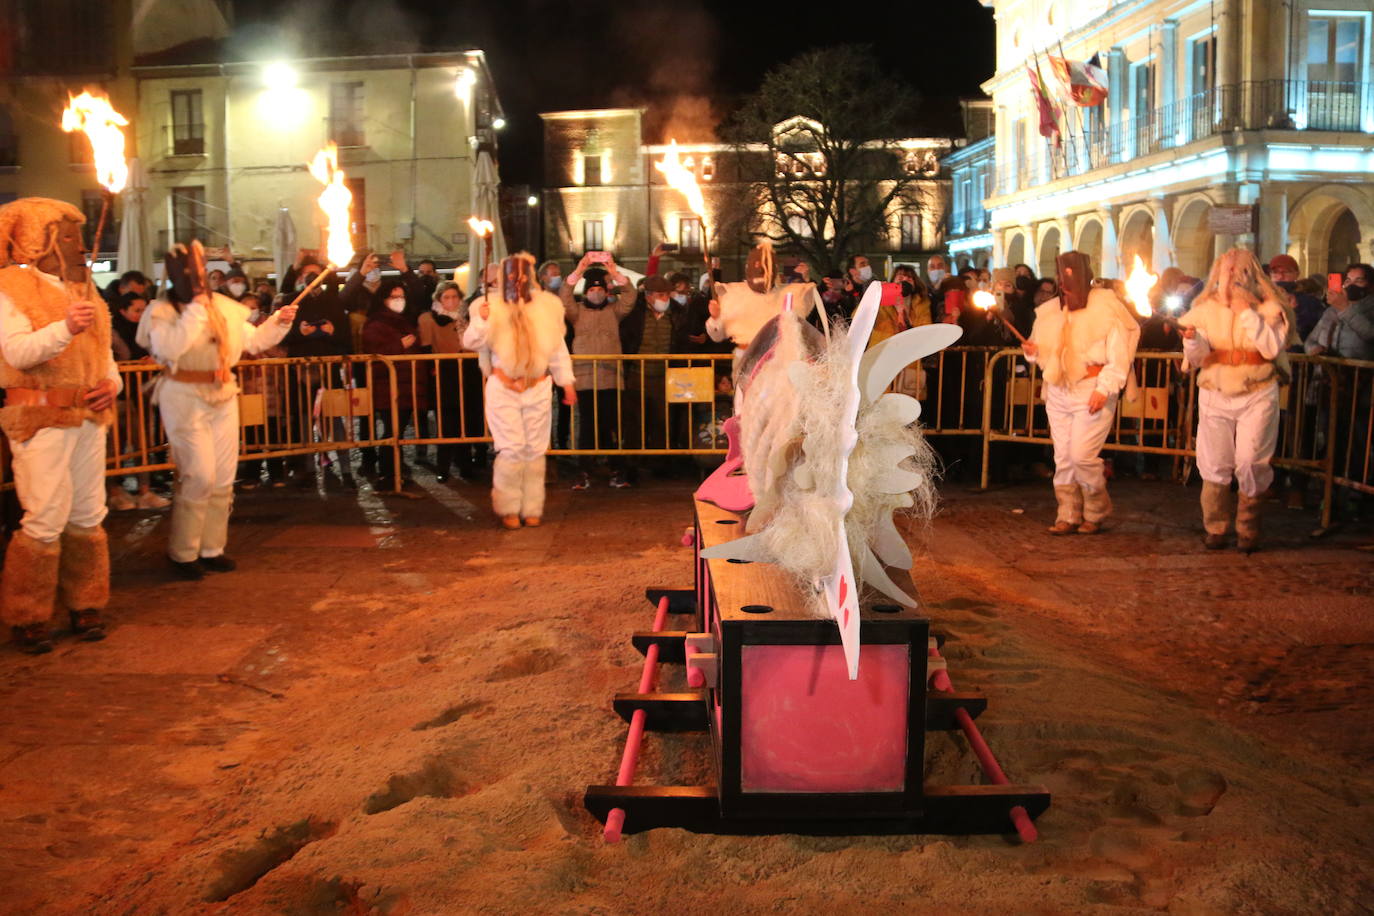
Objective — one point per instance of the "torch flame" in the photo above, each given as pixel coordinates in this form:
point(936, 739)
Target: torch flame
point(481, 227)
point(334, 201)
point(984, 299)
point(94, 115)
point(680, 178)
point(1138, 286)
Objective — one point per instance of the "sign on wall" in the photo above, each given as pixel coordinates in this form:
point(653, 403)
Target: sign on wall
point(1232, 219)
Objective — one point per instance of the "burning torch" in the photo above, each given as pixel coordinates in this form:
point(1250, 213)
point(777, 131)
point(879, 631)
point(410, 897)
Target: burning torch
point(988, 303)
point(94, 116)
point(486, 231)
point(334, 200)
point(680, 178)
point(1138, 285)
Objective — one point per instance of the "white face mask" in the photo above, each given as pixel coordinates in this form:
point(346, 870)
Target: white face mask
point(237, 288)
point(397, 304)
point(554, 283)
point(659, 305)
point(937, 275)
point(596, 296)
point(373, 276)
point(680, 298)
point(865, 274)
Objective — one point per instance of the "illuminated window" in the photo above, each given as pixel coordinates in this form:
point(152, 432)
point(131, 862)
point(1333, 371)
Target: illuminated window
point(911, 230)
point(593, 235)
point(799, 226)
point(188, 127)
point(591, 172)
point(188, 215)
point(91, 202)
point(689, 233)
point(1334, 47)
point(346, 114)
point(708, 168)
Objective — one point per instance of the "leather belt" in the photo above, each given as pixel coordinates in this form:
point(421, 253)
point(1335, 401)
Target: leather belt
point(195, 376)
point(1234, 358)
point(1092, 371)
point(46, 397)
point(517, 384)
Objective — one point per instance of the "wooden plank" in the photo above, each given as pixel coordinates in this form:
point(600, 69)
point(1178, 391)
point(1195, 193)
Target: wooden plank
point(672, 649)
point(665, 712)
point(940, 709)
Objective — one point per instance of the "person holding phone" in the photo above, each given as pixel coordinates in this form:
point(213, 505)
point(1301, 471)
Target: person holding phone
point(1346, 328)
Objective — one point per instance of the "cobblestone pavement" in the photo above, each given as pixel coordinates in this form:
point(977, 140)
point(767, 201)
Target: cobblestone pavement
point(257, 737)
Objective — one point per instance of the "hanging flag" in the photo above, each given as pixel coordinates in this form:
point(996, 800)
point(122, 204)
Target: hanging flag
point(1049, 116)
point(1084, 83)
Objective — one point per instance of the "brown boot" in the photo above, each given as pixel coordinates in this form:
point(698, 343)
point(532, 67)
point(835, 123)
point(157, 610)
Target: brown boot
point(1216, 513)
point(1096, 507)
point(1248, 523)
point(1070, 512)
point(28, 590)
point(83, 582)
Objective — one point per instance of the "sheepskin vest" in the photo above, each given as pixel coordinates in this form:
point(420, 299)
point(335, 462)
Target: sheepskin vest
point(524, 335)
point(83, 364)
point(1218, 324)
point(1064, 336)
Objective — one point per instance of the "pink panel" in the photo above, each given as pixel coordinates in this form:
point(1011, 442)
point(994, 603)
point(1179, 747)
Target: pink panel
point(805, 727)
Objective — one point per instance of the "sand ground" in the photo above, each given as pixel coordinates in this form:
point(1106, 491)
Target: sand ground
point(394, 708)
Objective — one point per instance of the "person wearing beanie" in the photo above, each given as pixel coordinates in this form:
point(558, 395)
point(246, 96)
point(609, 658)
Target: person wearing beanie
point(1307, 310)
point(60, 381)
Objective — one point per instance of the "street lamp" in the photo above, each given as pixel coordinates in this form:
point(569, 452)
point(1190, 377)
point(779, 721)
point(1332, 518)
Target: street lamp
point(532, 200)
point(279, 75)
point(498, 123)
point(462, 86)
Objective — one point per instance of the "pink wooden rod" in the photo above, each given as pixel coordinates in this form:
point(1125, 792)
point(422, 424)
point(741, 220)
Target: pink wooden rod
point(615, 821)
point(1025, 827)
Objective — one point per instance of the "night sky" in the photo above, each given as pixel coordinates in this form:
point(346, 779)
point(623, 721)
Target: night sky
point(692, 56)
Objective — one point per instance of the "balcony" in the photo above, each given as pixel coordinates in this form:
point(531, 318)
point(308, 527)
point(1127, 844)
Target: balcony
point(184, 139)
point(1260, 105)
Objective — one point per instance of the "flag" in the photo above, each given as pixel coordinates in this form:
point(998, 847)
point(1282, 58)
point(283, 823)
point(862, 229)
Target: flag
point(1049, 115)
point(1084, 83)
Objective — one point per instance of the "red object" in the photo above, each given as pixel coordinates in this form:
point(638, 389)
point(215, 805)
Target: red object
point(1335, 282)
point(1025, 827)
point(728, 485)
point(615, 821)
point(805, 727)
point(1049, 120)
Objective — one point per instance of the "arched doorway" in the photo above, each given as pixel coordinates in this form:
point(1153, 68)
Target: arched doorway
point(1016, 249)
point(1137, 238)
point(1343, 247)
point(1327, 228)
point(1090, 242)
point(1193, 240)
point(1049, 250)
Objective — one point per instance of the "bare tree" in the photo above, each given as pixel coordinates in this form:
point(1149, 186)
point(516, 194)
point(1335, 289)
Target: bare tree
point(818, 145)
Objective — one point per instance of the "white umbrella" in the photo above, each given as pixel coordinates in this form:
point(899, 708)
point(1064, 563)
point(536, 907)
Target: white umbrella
point(283, 244)
point(133, 229)
point(486, 204)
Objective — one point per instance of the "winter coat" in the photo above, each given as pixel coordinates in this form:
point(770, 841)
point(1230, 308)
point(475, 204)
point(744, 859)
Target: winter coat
point(383, 335)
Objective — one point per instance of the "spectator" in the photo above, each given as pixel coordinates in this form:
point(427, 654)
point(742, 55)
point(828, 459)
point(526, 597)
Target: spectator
point(551, 276)
point(124, 343)
point(390, 332)
point(217, 280)
point(937, 271)
point(428, 275)
point(124, 327)
point(1307, 308)
point(1045, 290)
point(1346, 327)
point(261, 380)
point(596, 322)
point(131, 281)
point(235, 284)
point(655, 326)
point(916, 304)
point(321, 328)
point(458, 384)
point(1023, 270)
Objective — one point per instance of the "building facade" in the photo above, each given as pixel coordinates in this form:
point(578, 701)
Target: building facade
point(603, 192)
point(1227, 122)
point(971, 169)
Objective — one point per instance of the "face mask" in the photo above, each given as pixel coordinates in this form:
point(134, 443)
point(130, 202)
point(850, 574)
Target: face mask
point(680, 298)
point(237, 289)
point(1356, 293)
point(659, 305)
point(831, 295)
point(1287, 286)
point(596, 297)
point(555, 283)
point(397, 304)
point(907, 290)
point(373, 276)
point(1025, 284)
point(937, 275)
point(865, 274)
point(254, 315)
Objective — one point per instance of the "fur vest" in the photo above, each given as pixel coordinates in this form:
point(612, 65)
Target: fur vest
point(1218, 324)
point(83, 364)
point(524, 335)
point(1065, 338)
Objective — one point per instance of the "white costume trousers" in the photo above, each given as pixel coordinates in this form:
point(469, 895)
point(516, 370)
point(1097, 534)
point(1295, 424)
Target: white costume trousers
point(1237, 434)
point(205, 447)
point(59, 475)
point(520, 422)
point(1078, 435)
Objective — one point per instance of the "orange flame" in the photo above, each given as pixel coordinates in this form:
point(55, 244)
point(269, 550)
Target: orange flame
point(334, 201)
point(94, 115)
point(984, 299)
point(681, 179)
point(481, 227)
point(1138, 286)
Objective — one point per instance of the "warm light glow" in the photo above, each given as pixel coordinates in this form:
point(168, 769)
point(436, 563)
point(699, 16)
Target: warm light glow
point(498, 123)
point(679, 178)
point(278, 76)
point(334, 201)
point(984, 299)
point(1174, 303)
point(94, 115)
point(462, 86)
point(532, 200)
point(481, 227)
point(1138, 286)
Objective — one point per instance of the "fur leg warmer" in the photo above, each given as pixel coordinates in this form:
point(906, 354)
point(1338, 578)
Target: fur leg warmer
point(188, 524)
point(83, 581)
point(532, 488)
point(507, 479)
point(1248, 522)
point(1096, 506)
point(29, 587)
point(1216, 507)
point(1070, 499)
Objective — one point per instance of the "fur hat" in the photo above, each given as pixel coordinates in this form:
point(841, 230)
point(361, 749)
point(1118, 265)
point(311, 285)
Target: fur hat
point(26, 232)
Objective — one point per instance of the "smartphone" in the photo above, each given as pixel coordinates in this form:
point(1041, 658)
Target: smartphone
point(668, 248)
point(601, 257)
point(1335, 282)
